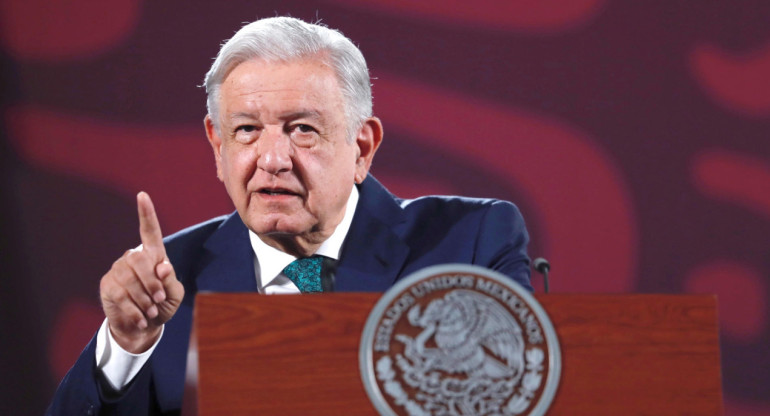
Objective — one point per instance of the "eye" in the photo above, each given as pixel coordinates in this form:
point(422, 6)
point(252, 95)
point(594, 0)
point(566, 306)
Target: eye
point(245, 133)
point(304, 128)
point(303, 135)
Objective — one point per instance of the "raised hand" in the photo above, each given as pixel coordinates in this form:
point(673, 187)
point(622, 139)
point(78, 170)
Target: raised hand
point(141, 292)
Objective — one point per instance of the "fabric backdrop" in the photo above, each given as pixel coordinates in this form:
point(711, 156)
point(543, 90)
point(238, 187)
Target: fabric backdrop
point(634, 136)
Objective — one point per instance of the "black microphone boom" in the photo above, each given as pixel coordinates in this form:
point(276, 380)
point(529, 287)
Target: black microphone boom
point(541, 265)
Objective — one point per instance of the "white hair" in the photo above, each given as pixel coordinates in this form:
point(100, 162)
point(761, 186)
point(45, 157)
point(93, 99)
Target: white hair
point(285, 39)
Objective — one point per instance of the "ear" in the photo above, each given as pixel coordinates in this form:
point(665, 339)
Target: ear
point(368, 141)
point(216, 143)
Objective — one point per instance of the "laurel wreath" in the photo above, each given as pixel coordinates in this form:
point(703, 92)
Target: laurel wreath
point(518, 404)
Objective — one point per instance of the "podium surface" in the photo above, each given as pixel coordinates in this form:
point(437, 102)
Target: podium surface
point(298, 354)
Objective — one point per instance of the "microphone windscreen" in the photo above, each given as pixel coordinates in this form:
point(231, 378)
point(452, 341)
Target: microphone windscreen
point(540, 264)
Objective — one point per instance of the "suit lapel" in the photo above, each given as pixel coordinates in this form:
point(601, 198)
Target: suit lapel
point(374, 252)
point(228, 265)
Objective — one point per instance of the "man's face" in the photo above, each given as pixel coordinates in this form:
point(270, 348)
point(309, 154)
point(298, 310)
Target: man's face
point(283, 154)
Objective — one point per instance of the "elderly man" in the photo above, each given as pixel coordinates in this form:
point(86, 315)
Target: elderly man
point(290, 123)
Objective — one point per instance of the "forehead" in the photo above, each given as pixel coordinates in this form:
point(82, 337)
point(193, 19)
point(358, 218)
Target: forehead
point(307, 82)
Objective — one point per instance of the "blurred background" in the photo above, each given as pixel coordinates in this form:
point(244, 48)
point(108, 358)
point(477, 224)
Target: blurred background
point(634, 136)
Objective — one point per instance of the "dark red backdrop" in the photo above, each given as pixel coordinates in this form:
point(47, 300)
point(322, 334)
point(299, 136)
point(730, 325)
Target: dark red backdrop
point(635, 136)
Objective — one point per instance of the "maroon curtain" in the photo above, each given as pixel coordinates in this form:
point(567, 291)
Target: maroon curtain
point(634, 136)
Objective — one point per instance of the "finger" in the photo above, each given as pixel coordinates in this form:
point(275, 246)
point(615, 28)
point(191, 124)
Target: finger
point(143, 266)
point(132, 284)
point(149, 227)
point(164, 269)
point(132, 316)
point(127, 315)
point(173, 287)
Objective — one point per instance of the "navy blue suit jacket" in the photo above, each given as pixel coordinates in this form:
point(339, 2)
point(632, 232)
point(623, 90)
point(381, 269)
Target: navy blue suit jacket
point(388, 239)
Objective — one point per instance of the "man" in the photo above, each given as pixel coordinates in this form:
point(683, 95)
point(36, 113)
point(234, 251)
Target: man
point(290, 123)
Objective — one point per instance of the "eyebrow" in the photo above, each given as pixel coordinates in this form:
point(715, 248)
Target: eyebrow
point(287, 116)
point(233, 116)
point(301, 114)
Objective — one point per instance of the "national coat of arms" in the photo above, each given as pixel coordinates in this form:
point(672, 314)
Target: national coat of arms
point(459, 340)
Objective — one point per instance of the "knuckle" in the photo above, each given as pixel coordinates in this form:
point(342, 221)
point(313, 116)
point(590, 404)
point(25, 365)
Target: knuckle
point(105, 283)
point(122, 275)
point(128, 309)
point(148, 282)
point(153, 285)
point(143, 300)
point(117, 294)
point(134, 315)
point(120, 260)
point(109, 293)
point(135, 258)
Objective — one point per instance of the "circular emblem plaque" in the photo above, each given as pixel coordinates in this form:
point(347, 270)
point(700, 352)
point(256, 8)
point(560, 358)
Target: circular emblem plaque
point(459, 340)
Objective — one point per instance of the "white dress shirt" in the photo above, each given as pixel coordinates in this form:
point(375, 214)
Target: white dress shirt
point(120, 366)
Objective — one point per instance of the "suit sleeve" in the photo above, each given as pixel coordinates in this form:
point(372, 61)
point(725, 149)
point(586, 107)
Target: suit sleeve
point(501, 243)
point(84, 392)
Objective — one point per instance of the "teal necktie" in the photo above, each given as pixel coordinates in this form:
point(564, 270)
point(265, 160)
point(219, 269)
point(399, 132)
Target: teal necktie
point(305, 273)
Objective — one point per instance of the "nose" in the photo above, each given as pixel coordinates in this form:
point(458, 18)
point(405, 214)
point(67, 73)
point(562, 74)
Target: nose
point(274, 152)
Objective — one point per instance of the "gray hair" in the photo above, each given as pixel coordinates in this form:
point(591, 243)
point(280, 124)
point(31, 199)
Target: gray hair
point(285, 39)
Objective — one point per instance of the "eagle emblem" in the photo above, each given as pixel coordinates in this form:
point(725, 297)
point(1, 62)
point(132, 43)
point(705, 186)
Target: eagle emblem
point(473, 336)
point(459, 344)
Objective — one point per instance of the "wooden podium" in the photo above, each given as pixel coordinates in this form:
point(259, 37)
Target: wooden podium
point(298, 355)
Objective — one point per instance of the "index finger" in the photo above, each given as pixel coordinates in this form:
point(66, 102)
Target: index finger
point(149, 227)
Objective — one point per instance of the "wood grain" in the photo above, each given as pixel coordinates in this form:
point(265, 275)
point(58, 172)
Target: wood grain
point(281, 355)
point(637, 354)
point(298, 355)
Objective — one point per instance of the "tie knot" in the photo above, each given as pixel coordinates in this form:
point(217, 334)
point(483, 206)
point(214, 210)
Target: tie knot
point(305, 273)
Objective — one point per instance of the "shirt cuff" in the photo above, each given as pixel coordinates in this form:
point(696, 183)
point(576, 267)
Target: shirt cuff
point(117, 365)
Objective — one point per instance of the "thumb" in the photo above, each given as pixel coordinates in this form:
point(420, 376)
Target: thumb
point(173, 290)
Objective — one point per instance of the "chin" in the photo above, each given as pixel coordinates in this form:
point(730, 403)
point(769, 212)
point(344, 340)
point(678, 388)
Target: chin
point(275, 224)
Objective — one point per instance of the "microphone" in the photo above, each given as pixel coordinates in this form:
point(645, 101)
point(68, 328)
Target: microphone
point(543, 267)
point(328, 274)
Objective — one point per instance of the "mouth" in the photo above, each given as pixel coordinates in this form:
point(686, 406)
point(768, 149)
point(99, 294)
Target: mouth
point(276, 192)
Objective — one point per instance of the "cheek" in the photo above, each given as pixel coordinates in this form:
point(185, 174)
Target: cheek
point(327, 171)
point(334, 177)
point(237, 165)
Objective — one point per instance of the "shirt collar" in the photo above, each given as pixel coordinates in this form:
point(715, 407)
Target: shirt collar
point(270, 261)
